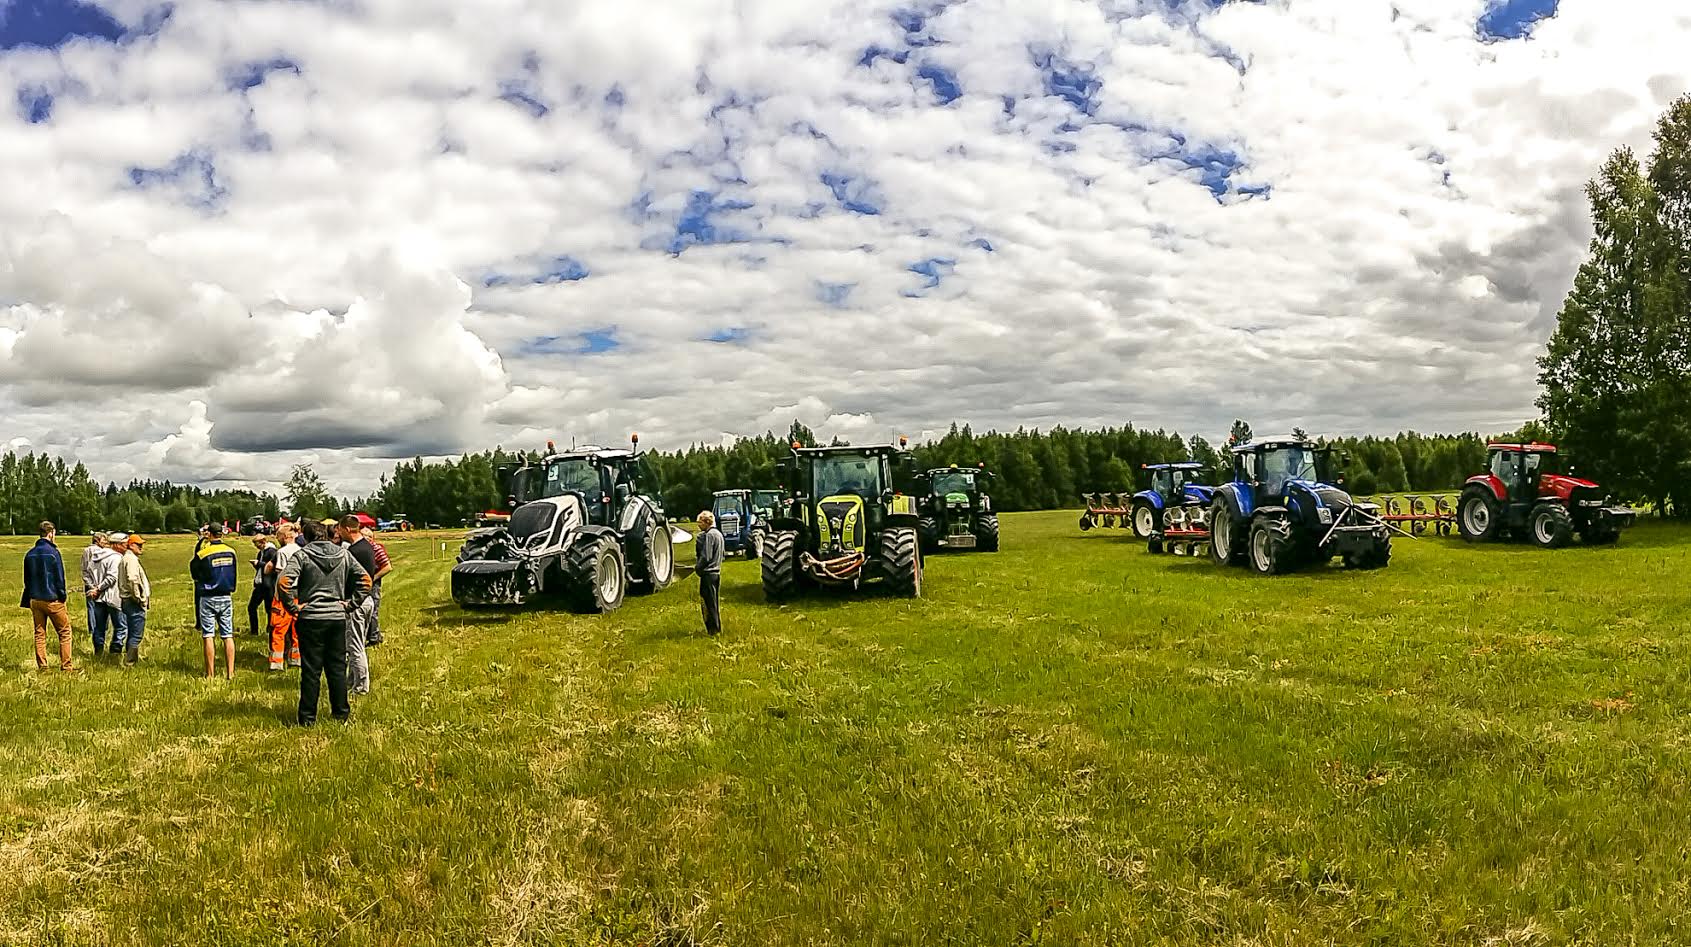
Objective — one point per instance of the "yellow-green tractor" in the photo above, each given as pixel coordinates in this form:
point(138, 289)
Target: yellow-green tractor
point(846, 523)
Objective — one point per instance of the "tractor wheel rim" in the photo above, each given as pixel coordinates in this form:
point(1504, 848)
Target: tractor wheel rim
point(1220, 536)
point(661, 555)
point(1147, 520)
point(1478, 517)
point(1259, 550)
point(609, 579)
point(1541, 526)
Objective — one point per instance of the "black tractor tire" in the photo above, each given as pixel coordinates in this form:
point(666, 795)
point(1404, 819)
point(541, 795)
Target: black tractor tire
point(1085, 522)
point(901, 561)
point(1144, 517)
point(1227, 546)
point(1154, 547)
point(1595, 536)
point(927, 529)
point(986, 533)
point(597, 575)
point(652, 554)
point(1550, 526)
point(1270, 551)
point(780, 565)
point(1376, 558)
point(1479, 517)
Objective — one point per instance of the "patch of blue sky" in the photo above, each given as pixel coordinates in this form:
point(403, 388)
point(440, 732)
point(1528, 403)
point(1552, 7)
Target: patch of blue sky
point(192, 175)
point(35, 104)
point(699, 223)
point(252, 75)
point(732, 335)
point(50, 24)
point(559, 269)
point(834, 295)
point(944, 82)
point(854, 193)
point(591, 342)
point(933, 271)
point(1072, 82)
point(1513, 19)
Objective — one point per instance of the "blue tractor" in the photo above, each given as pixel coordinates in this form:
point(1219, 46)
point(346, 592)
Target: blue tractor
point(741, 522)
point(1172, 485)
point(1281, 512)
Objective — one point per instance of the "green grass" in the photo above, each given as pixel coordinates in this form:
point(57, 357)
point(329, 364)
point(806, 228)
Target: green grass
point(1071, 742)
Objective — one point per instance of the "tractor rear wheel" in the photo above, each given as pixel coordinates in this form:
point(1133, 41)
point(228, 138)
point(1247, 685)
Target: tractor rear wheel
point(653, 554)
point(1478, 518)
point(780, 565)
point(901, 561)
point(986, 533)
point(1270, 548)
point(1551, 526)
point(1144, 519)
point(1227, 546)
point(927, 529)
point(598, 576)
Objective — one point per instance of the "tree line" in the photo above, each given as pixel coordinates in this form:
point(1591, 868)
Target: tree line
point(36, 487)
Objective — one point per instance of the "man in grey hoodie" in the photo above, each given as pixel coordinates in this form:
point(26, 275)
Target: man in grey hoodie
point(321, 586)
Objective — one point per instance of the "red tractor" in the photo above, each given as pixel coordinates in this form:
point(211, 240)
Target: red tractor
point(1525, 495)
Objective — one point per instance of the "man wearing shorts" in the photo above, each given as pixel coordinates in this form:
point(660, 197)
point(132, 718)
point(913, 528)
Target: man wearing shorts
point(215, 575)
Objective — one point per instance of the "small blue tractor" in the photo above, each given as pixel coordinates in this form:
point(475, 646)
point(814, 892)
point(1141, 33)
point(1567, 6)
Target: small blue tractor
point(1281, 512)
point(1172, 485)
point(741, 522)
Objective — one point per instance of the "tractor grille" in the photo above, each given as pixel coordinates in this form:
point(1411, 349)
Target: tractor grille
point(729, 523)
point(531, 520)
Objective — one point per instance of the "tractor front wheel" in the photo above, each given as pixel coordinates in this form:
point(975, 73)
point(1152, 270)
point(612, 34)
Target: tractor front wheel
point(986, 533)
point(780, 565)
point(901, 561)
point(927, 529)
point(1270, 548)
point(598, 576)
point(1227, 546)
point(1376, 558)
point(1144, 519)
point(1478, 518)
point(1552, 527)
point(754, 545)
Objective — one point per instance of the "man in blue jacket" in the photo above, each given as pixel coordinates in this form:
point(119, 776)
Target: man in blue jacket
point(44, 596)
point(215, 574)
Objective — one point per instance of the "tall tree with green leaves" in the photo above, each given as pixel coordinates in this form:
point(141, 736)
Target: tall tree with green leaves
point(1617, 370)
point(308, 496)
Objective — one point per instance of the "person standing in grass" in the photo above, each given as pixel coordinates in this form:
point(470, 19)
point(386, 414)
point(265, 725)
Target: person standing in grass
point(384, 565)
point(263, 583)
point(284, 636)
point(137, 596)
point(322, 586)
point(44, 596)
point(107, 564)
point(215, 576)
point(358, 620)
point(708, 551)
point(90, 588)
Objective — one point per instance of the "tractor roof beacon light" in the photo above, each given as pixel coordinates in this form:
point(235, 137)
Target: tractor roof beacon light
point(903, 441)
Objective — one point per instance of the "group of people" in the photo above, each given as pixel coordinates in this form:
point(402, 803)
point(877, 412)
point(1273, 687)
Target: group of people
point(317, 584)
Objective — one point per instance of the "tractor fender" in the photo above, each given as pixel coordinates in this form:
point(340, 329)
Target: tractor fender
point(902, 519)
point(1489, 483)
point(590, 533)
point(1270, 512)
point(1152, 497)
point(1229, 496)
point(634, 514)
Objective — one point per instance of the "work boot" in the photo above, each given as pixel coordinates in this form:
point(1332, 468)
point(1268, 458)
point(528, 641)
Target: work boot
point(132, 655)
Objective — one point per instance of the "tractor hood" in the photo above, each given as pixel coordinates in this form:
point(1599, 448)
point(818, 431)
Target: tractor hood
point(1559, 485)
point(1324, 494)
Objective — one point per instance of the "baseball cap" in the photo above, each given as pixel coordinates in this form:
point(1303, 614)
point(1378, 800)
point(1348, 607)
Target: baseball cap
point(136, 539)
point(117, 538)
point(214, 530)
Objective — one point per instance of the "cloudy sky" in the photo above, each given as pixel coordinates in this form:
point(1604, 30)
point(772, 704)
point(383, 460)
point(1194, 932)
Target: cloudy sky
point(239, 234)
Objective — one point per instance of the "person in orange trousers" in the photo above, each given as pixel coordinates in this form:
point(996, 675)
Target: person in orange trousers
point(284, 638)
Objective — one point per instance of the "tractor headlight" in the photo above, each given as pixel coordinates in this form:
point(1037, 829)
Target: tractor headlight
point(1324, 515)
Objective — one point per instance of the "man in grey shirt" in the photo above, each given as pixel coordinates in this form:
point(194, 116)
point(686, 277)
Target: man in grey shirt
point(708, 549)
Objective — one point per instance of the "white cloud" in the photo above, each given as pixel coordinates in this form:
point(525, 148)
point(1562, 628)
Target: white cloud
point(348, 260)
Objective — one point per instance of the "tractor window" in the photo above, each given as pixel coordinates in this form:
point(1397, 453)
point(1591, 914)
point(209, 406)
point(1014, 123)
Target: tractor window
point(1178, 479)
point(840, 474)
point(727, 504)
point(1245, 467)
point(577, 475)
point(953, 481)
point(1162, 481)
point(1504, 467)
point(1285, 464)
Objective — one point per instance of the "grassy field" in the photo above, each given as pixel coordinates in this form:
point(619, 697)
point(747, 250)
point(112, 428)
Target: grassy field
point(1071, 742)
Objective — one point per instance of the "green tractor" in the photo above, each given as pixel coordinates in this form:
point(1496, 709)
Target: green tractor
point(956, 510)
point(844, 523)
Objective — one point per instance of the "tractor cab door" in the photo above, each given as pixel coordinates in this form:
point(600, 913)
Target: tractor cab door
point(1509, 467)
point(1533, 469)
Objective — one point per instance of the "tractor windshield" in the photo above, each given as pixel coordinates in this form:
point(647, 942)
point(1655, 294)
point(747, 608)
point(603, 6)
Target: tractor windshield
point(846, 473)
point(575, 474)
point(1540, 464)
point(766, 500)
point(954, 481)
point(733, 503)
point(1287, 462)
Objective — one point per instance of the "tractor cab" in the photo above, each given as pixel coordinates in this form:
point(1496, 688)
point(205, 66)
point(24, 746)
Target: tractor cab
point(1519, 470)
point(1276, 468)
point(605, 480)
point(738, 519)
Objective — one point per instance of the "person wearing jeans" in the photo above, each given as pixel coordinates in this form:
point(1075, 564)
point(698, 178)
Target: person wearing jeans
point(44, 596)
point(90, 589)
point(358, 619)
point(137, 595)
point(215, 576)
point(321, 587)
